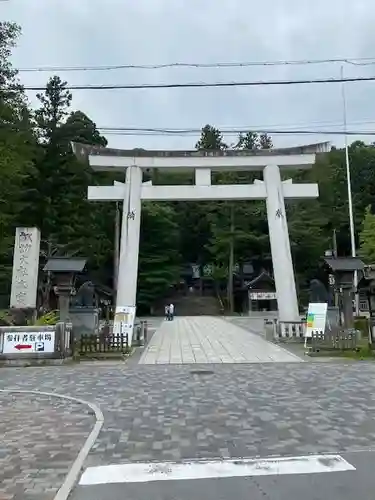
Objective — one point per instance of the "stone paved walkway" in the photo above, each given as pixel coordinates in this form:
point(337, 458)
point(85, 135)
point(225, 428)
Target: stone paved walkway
point(40, 437)
point(208, 339)
point(168, 412)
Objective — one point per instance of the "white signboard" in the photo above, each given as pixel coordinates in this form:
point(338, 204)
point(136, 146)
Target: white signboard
point(316, 319)
point(124, 321)
point(263, 296)
point(25, 268)
point(196, 271)
point(23, 343)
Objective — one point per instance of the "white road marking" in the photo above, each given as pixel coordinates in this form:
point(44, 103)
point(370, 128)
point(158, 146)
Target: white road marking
point(167, 471)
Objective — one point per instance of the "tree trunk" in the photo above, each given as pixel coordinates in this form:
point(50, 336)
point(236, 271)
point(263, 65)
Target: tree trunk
point(231, 262)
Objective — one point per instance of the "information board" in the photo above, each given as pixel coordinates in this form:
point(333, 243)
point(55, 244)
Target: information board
point(26, 342)
point(316, 319)
point(124, 321)
point(263, 296)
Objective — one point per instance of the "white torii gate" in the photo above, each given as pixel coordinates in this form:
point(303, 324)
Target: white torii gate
point(272, 189)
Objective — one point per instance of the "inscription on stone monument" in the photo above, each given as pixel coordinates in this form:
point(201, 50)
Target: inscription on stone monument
point(25, 268)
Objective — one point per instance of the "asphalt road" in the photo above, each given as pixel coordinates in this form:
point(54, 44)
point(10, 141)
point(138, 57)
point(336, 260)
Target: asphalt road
point(174, 413)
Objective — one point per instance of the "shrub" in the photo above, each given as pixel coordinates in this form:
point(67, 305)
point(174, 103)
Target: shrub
point(50, 318)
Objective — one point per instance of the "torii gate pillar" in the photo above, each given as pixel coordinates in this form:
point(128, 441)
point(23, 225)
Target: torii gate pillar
point(129, 246)
point(282, 263)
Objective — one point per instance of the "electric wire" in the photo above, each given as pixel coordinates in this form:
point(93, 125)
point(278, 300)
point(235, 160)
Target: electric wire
point(254, 83)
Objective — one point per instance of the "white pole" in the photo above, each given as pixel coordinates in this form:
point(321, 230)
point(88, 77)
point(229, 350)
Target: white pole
point(348, 180)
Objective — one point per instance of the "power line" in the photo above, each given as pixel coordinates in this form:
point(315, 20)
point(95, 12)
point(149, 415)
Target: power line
point(255, 83)
point(361, 61)
point(244, 128)
point(187, 132)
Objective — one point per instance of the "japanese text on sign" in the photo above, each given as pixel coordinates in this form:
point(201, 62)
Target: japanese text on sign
point(29, 337)
point(25, 268)
point(28, 342)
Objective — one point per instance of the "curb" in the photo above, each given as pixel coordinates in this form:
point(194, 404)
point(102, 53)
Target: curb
point(75, 470)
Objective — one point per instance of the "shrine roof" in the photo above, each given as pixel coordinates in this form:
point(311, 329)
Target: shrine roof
point(84, 149)
point(263, 277)
point(65, 264)
point(101, 158)
point(344, 263)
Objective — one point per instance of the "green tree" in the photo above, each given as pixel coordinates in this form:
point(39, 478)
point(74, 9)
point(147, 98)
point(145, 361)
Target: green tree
point(17, 151)
point(55, 103)
point(58, 188)
point(237, 227)
point(330, 174)
point(313, 222)
point(193, 216)
point(48, 179)
point(159, 259)
point(211, 138)
point(367, 237)
point(252, 140)
point(265, 142)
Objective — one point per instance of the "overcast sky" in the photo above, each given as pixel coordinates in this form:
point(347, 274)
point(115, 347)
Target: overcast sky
point(105, 32)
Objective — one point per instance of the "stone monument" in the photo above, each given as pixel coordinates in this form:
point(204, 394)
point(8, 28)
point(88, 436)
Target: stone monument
point(25, 268)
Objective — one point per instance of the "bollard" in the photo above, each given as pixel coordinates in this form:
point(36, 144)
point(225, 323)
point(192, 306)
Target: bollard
point(145, 332)
point(269, 330)
point(137, 336)
point(141, 335)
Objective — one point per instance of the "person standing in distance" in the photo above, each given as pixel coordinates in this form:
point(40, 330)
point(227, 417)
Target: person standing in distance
point(171, 312)
point(166, 312)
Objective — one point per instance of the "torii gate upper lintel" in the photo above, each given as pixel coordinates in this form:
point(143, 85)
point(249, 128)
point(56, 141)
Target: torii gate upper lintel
point(272, 189)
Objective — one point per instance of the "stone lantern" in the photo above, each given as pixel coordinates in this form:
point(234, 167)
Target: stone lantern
point(341, 271)
point(64, 271)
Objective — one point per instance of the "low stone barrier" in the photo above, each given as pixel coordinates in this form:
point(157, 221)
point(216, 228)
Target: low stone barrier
point(284, 331)
point(140, 332)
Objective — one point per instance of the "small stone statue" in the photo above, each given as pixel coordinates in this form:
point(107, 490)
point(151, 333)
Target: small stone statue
point(85, 295)
point(318, 292)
